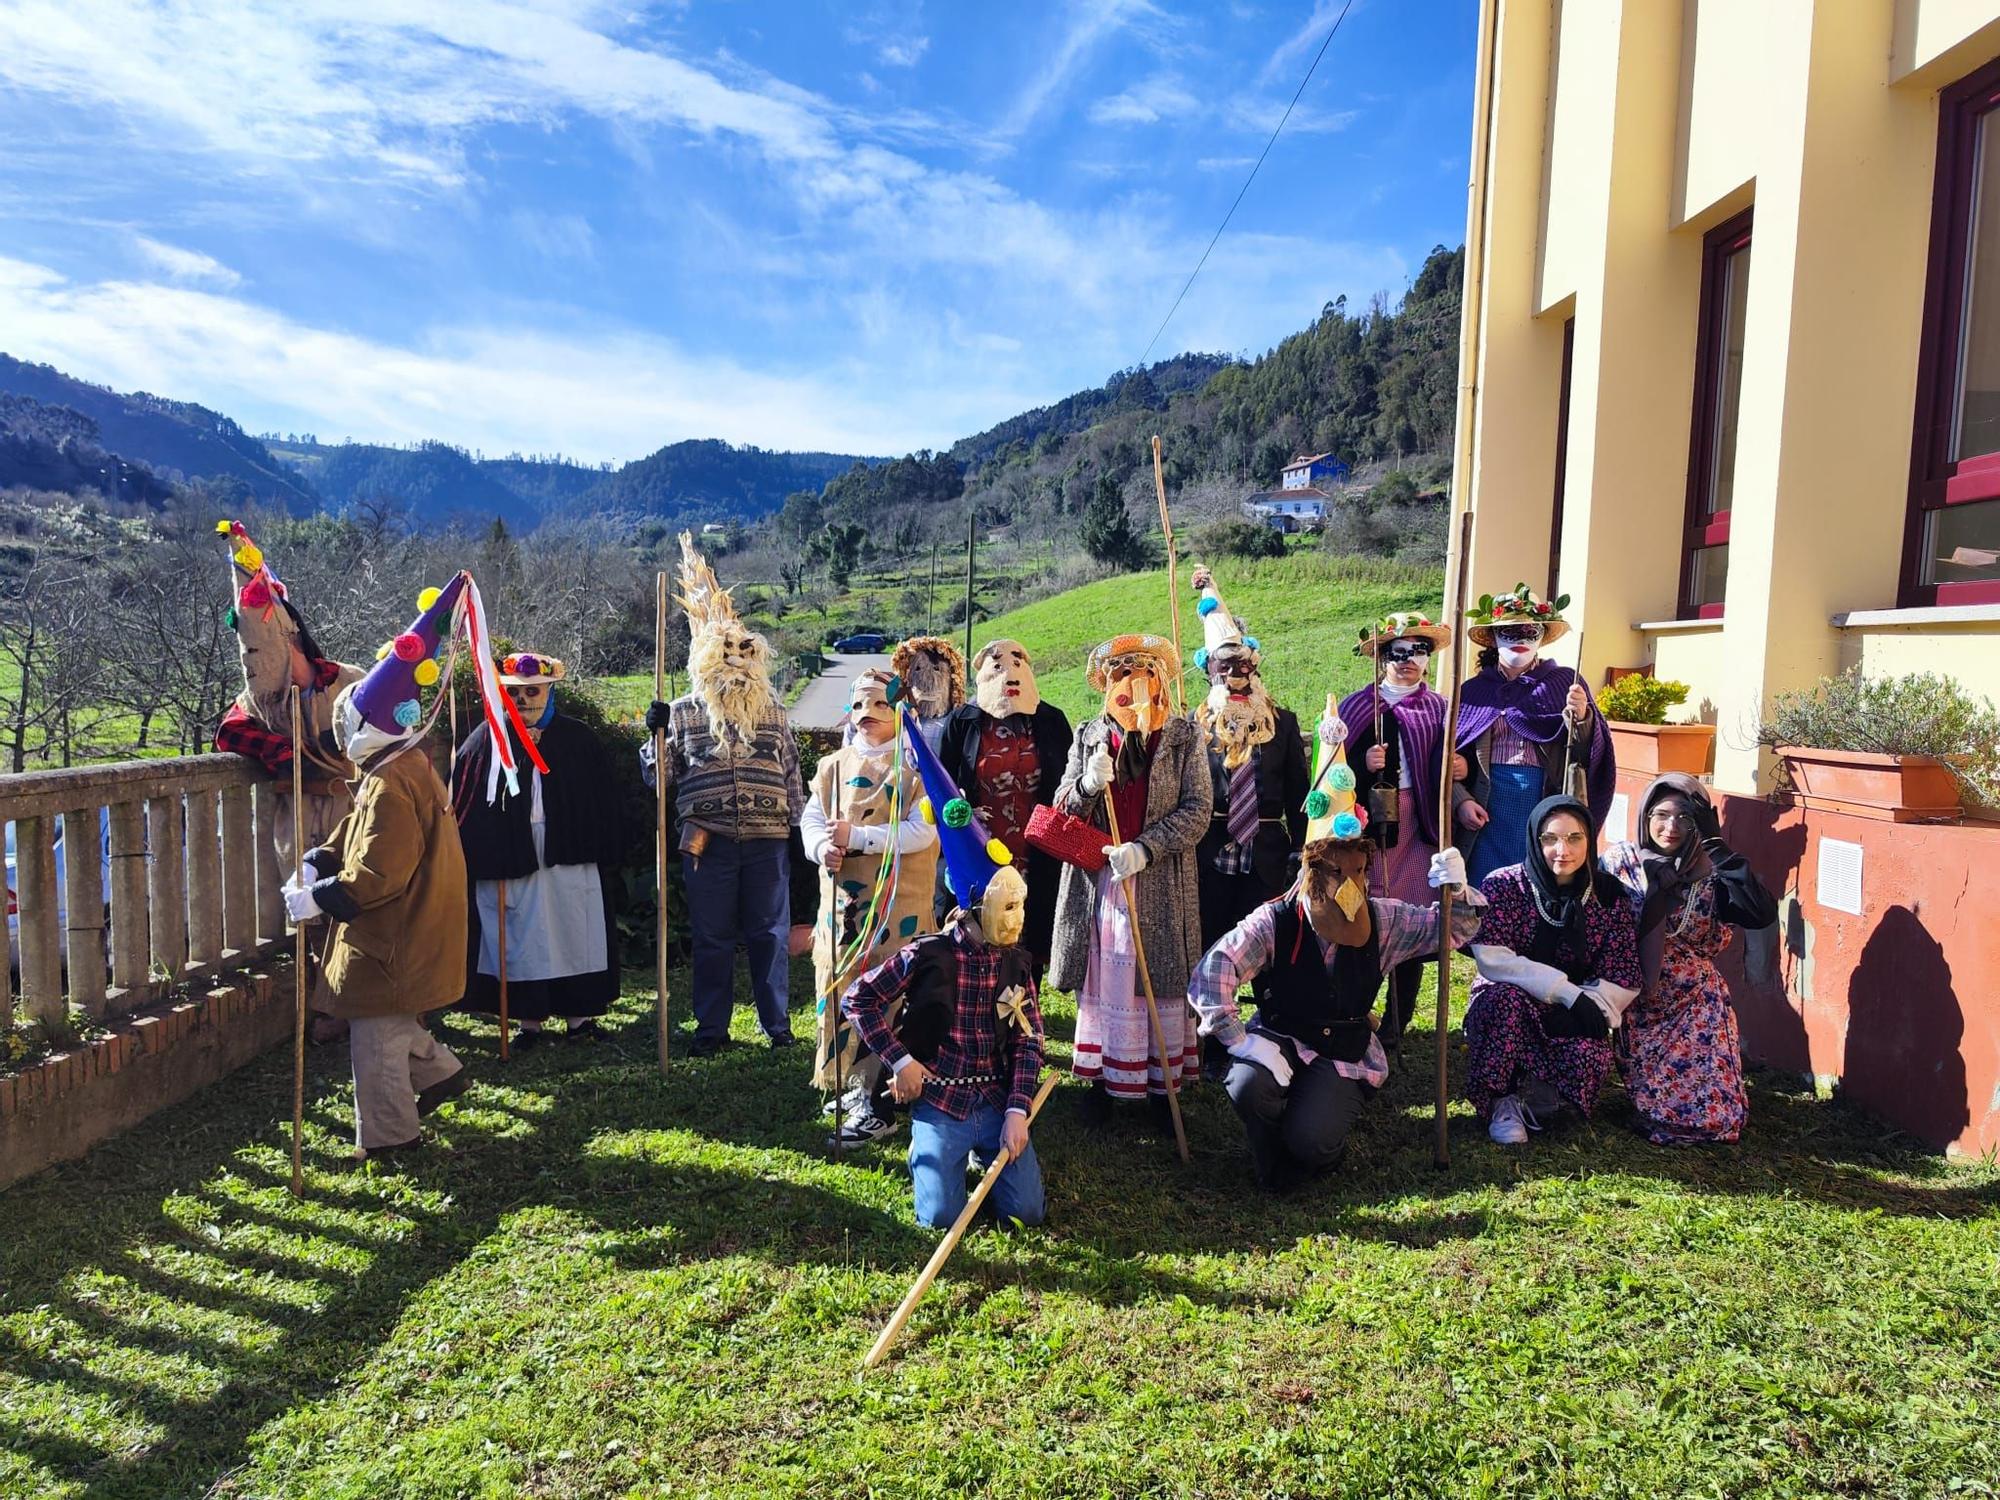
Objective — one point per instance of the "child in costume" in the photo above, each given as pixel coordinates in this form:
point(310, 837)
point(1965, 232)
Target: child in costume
point(1150, 767)
point(967, 1051)
point(551, 854)
point(1006, 750)
point(877, 859)
point(734, 769)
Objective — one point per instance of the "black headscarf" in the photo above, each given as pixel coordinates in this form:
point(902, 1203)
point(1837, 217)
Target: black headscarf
point(1668, 876)
point(1561, 938)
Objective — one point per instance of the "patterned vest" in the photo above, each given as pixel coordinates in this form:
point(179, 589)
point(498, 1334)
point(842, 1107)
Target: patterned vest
point(734, 791)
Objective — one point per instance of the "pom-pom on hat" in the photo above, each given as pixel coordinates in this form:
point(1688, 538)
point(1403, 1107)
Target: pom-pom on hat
point(971, 856)
point(1219, 627)
point(1522, 606)
point(530, 669)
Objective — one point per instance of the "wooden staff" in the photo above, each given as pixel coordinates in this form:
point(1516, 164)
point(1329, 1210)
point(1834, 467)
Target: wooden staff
point(1441, 1152)
point(1173, 572)
point(1167, 1069)
point(950, 1241)
point(661, 853)
point(298, 955)
point(501, 938)
point(1576, 779)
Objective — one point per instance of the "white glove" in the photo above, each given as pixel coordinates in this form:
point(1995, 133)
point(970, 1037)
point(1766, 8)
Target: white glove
point(1267, 1054)
point(1333, 731)
point(1447, 868)
point(1096, 773)
point(299, 903)
point(1126, 860)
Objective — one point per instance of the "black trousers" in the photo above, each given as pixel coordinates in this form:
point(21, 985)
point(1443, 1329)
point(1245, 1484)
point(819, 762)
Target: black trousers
point(1404, 982)
point(1295, 1130)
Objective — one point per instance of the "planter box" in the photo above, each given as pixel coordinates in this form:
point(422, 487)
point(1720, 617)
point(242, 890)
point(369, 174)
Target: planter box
point(1649, 749)
point(1896, 788)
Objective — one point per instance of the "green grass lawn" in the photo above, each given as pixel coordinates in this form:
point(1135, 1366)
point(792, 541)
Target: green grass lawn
point(612, 1283)
point(1305, 611)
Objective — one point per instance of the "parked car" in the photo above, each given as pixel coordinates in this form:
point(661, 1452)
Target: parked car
point(866, 643)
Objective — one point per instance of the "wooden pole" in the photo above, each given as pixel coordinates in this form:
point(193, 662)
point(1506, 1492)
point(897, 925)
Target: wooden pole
point(1441, 1150)
point(1576, 779)
point(971, 536)
point(298, 957)
point(661, 852)
point(501, 937)
point(950, 1241)
point(1146, 983)
point(1173, 572)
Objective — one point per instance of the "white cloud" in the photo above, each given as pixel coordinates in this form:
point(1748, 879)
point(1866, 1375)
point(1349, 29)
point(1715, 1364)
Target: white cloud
point(1297, 49)
point(184, 265)
point(1261, 116)
point(1163, 96)
point(1226, 163)
point(1091, 22)
point(903, 52)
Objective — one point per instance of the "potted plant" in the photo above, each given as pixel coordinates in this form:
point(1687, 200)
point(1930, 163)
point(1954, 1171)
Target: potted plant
point(1643, 742)
point(1910, 748)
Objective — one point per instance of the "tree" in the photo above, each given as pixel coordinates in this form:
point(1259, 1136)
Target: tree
point(1106, 530)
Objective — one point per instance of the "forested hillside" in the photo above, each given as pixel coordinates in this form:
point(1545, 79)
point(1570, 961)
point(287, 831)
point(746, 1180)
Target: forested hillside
point(57, 449)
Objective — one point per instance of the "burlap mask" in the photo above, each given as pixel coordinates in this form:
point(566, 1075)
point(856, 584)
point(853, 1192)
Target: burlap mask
point(1004, 679)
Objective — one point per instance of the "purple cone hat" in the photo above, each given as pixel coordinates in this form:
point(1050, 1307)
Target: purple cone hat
point(388, 697)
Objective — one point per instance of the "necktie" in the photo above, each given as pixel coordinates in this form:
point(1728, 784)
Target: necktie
point(1243, 802)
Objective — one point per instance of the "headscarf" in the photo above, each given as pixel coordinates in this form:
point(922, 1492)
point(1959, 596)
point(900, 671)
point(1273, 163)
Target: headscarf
point(1562, 937)
point(1668, 876)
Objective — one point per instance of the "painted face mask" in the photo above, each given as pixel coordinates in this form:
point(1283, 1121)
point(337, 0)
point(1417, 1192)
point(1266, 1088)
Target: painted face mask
point(1003, 909)
point(1137, 697)
point(868, 709)
point(1004, 680)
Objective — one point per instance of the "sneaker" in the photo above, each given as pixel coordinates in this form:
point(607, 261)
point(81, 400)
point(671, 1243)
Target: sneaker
point(1508, 1128)
point(863, 1125)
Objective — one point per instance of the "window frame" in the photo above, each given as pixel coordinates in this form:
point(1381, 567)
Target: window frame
point(1937, 481)
point(1700, 529)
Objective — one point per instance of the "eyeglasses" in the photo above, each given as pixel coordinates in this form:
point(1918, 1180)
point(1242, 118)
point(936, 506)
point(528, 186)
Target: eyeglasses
point(1406, 651)
point(1563, 840)
point(1670, 819)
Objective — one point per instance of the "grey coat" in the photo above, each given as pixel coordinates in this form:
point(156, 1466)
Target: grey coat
point(1165, 896)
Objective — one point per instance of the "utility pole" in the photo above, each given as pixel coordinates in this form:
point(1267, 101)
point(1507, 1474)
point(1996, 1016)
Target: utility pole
point(971, 536)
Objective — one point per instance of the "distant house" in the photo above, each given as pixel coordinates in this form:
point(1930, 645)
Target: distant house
point(1295, 509)
point(714, 528)
point(1313, 470)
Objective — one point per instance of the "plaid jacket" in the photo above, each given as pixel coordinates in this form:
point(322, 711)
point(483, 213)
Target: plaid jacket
point(241, 734)
point(973, 1045)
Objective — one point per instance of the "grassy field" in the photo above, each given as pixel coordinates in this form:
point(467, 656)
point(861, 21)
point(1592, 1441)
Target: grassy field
point(603, 1282)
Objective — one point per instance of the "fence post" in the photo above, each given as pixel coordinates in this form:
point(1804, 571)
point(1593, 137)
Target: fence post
point(239, 872)
point(204, 878)
point(41, 931)
point(83, 888)
point(131, 929)
point(166, 884)
point(270, 900)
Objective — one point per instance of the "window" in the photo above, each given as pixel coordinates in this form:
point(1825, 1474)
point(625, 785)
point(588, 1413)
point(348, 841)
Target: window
point(1562, 462)
point(1718, 391)
point(1951, 541)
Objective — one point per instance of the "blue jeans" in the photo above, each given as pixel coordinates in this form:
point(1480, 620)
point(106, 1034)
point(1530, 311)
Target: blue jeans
point(939, 1150)
point(739, 892)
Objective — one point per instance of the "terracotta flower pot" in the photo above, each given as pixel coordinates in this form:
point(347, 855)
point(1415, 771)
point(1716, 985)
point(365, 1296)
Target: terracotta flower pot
point(1903, 788)
point(1649, 749)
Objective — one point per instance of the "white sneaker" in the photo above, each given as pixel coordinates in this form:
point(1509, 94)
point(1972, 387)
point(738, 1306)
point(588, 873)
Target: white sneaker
point(1508, 1127)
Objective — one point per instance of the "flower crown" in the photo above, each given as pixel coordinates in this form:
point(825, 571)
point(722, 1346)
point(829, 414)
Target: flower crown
point(1521, 603)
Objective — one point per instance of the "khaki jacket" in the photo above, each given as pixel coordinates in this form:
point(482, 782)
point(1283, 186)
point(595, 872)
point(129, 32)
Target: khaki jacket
point(393, 884)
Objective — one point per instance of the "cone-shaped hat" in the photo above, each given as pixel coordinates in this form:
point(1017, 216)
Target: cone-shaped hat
point(971, 856)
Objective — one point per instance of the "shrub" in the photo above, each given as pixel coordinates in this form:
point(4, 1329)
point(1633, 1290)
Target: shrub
point(1238, 538)
point(1638, 698)
point(1922, 713)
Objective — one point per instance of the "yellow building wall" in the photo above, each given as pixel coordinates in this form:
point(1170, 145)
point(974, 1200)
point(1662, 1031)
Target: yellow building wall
point(1966, 652)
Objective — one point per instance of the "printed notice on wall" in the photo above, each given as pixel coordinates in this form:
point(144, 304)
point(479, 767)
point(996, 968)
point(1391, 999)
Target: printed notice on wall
point(1840, 876)
point(1620, 816)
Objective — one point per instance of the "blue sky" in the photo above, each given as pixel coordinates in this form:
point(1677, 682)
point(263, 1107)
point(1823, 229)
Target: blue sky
point(563, 225)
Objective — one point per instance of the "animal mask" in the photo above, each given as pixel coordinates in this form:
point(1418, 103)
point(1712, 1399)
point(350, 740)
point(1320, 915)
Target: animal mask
point(1333, 887)
point(1005, 679)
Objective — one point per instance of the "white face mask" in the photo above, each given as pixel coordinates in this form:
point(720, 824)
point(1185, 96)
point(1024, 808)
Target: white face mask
point(1516, 657)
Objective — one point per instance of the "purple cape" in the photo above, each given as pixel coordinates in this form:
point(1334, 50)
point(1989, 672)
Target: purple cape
point(1419, 719)
point(1532, 705)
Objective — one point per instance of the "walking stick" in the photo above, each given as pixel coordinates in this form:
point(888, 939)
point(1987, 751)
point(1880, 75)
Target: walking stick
point(660, 850)
point(950, 1241)
point(1167, 1070)
point(1441, 1151)
point(502, 936)
point(298, 956)
point(1173, 571)
point(1576, 779)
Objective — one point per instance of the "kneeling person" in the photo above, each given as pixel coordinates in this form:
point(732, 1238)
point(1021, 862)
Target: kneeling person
point(1312, 1059)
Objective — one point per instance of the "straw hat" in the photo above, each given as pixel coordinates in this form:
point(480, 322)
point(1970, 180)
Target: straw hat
point(1523, 606)
point(1104, 657)
point(530, 669)
point(1405, 625)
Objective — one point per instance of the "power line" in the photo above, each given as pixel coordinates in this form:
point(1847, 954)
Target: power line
point(1246, 184)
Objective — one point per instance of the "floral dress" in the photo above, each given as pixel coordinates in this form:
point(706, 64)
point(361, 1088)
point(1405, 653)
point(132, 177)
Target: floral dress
point(1504, 1031)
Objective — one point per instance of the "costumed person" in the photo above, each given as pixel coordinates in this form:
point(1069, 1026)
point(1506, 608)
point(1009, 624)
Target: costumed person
point(278, 653)
point(1521, 720)
point(864, 828)
point(1394, 730)
point(1151, 767)
point(1558, 964)
point(965, 1052)
point(734, 769)
point(1006, 749)
point(392, 876)
point(1312, 1058)
point(1678, 1047)
point(551, 855)
point(932, 673)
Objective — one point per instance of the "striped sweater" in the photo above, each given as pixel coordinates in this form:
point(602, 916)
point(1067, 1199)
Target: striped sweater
point(734, 791)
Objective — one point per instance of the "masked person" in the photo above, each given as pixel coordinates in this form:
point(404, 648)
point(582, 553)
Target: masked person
point(1006, 750)
point(1394, 731)
point(1558, 964)
point(392, 877)
point(877, 858)
point(1304, 1068)
point(1678, 1047)
point(734, 769)
point(1521, 721)
point(931, 674)
point(278, 653)
point(965, 1052)
point(550, 856)
point(1150, 767)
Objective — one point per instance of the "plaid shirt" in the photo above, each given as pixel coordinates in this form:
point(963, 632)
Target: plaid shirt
point(1402, 931)
point(241, 734)
point(972, 1046)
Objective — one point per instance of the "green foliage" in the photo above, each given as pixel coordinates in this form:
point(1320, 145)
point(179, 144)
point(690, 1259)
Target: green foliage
point(1637, 698)
point(1107, 532)
point(865, 491)
point(1236, 538)
point(1922, 713)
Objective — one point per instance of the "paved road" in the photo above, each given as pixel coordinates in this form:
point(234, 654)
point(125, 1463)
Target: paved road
point(824, 702)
